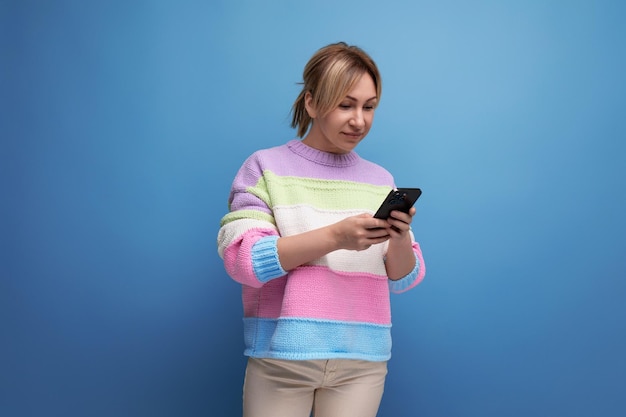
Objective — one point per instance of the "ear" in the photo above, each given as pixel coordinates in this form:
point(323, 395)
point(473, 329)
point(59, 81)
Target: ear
point(308, 105)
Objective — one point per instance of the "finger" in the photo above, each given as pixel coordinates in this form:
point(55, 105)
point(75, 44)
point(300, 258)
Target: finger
point(394, 232)
point(400, 216)
point(378, 240)
point(373, 223)
point(397, 226)
point(378, 232)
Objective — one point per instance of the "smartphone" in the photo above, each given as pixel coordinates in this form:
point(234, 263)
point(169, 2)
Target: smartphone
point(401, 199)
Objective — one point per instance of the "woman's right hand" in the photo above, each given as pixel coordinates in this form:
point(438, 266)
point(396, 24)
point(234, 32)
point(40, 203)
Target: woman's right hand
point(359, 232)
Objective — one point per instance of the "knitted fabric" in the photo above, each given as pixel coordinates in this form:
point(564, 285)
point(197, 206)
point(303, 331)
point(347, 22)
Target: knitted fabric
point(334, 307)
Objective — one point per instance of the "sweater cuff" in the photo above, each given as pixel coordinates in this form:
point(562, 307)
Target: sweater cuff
point(265, 262)
point(400, 285)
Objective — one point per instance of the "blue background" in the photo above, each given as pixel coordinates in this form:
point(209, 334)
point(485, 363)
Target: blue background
point(123, 123)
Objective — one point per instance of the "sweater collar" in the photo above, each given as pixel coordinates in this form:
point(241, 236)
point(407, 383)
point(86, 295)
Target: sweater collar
point(321, 157)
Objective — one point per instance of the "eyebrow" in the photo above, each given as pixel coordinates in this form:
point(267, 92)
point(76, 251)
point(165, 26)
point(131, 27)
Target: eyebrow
point(369, 99)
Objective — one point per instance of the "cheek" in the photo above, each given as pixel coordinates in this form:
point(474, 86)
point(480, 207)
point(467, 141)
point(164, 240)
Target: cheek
point(337, 121)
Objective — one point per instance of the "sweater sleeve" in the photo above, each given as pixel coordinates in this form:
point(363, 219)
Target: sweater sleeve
point(247, 237)
point(412, 278)
point(251, 259)
point(265, 262)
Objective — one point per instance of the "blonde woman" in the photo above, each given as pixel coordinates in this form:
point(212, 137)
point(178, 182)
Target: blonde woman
point(316, 267)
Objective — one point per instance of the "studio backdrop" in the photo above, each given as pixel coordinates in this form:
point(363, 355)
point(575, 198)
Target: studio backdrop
point(123, 123)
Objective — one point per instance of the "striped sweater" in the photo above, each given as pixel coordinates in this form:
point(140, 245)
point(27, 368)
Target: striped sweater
point(334, 307)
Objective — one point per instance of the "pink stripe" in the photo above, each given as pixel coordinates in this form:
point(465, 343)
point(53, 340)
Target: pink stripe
point(238, 258)
point(317, 292)
point(264, 302)
point(422, 271)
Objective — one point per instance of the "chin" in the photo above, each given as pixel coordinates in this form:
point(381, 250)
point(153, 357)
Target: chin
point(345, 148)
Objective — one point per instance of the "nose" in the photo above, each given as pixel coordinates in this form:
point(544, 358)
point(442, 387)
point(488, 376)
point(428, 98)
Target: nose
point(357, 120)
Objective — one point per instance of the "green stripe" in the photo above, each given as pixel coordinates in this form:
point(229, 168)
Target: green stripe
point(247, 214)
point(320, 193)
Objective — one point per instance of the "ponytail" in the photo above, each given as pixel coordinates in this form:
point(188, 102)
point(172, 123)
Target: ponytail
point(301, 119)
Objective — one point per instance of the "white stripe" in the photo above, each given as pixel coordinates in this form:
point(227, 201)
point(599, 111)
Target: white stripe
point(235, 229)
point(296, 219)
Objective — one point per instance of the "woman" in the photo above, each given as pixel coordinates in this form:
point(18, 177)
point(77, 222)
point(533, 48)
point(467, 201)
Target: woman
point(315, 266)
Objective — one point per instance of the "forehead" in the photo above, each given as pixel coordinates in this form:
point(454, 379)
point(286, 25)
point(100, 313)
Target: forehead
point(363, 89)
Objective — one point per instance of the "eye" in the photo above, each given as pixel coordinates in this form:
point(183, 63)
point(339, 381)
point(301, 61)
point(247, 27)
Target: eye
point(344, 106)
point(369, 108)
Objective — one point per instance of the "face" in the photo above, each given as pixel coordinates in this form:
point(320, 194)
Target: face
point(345, 126)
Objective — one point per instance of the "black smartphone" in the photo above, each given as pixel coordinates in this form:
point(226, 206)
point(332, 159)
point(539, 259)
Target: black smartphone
point(401, 199)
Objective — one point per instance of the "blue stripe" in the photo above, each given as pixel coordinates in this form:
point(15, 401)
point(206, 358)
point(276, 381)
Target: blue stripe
point(406, 281)
point(307, 339)
point(265, 261)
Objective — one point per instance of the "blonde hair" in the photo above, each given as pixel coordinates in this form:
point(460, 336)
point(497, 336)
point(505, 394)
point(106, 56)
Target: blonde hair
point(329, 75)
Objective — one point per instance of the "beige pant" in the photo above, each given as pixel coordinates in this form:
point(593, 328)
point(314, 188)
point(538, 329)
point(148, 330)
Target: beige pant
point(331, 388)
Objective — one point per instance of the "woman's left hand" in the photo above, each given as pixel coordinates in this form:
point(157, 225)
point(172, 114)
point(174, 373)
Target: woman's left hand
point(399, 224)
point(400, 257)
